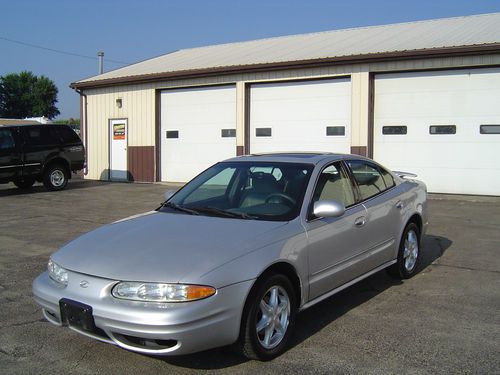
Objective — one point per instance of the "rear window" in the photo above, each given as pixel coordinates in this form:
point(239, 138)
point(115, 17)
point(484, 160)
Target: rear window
point(68, 135)
point(41, 135)
point(368, 178)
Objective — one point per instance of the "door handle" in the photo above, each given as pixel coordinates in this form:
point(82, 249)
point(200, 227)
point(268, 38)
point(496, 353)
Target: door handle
point(399, 205)
point(360, 221)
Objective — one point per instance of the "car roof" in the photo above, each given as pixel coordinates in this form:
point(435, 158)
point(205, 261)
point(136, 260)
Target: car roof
point(295, 157)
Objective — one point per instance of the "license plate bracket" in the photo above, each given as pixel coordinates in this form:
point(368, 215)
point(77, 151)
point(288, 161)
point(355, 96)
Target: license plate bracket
point(76, 314)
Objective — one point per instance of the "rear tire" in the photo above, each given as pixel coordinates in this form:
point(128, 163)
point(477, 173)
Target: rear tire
point(24, 183)
point(268, 319)
point(408, 255)
point(55, 177)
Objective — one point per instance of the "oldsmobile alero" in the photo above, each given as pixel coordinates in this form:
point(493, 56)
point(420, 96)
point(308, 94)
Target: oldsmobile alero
point(235, 254)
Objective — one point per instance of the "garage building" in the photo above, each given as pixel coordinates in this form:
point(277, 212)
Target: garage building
point(422, 97)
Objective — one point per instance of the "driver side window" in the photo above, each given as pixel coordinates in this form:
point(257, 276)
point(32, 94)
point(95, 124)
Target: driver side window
point(333, 184)
point(6, 140)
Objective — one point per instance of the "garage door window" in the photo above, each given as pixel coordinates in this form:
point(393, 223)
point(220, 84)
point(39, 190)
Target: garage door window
point(394, 130)
point(228, 133)
point(368, 178)
point(489, 129)
point(335, 131)
point(172, 134)
point(263, 132)
point(443, 129)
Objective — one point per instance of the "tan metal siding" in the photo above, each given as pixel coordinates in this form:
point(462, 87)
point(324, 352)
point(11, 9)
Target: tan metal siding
point(138, 101)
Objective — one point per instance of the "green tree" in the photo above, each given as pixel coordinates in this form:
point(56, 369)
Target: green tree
point(26, 95)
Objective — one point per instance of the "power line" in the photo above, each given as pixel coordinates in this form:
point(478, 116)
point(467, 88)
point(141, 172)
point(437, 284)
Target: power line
point(61, 52)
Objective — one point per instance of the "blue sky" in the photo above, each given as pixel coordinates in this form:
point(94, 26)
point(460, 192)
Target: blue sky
point(131, 31)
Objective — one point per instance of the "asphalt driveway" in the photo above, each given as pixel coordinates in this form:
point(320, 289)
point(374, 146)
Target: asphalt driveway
point(444, 320)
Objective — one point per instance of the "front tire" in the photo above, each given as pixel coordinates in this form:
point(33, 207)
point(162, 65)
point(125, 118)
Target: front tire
point(55, 177)
point(268, 319)
point(408, 255)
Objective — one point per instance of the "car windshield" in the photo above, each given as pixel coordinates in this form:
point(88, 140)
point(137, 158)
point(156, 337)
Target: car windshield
point(244, 190)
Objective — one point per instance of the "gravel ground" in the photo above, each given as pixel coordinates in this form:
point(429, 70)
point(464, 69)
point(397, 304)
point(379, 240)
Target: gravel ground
point(444, 320)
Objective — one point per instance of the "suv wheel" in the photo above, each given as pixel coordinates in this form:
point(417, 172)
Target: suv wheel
point(24, 183)
point(55, 177)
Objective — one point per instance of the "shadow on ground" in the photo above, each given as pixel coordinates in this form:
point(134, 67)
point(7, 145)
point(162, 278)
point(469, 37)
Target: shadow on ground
point(73, 184)
point(319, 316)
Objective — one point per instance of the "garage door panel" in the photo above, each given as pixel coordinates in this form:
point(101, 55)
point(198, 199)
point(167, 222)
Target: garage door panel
point(298, 115)
point(465, 162)
point(198, 115)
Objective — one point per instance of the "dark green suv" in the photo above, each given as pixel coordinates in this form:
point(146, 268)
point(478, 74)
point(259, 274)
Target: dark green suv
point(44, 153)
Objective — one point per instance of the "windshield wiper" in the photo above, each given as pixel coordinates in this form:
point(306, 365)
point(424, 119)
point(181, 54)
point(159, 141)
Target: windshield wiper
point(180, 208)
point(221, 212)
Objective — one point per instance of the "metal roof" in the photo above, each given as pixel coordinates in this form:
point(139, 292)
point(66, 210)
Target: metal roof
point(401, 39)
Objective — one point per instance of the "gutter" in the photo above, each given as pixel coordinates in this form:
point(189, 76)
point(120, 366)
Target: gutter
point(83, 125)
point(480, 49)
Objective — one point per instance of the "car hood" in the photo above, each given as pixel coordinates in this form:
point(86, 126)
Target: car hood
point(162, 247)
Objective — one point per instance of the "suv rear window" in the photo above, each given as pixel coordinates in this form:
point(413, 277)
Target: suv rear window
point(68, 135)
point(41, 135)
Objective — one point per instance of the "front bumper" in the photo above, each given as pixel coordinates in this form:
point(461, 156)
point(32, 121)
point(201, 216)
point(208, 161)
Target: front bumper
point(150, 328)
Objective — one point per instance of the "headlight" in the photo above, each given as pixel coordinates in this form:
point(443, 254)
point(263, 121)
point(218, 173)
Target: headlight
point(157, 292)
point(57, 273)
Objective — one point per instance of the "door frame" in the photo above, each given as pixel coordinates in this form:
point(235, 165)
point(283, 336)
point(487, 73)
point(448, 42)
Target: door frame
point(110, 120)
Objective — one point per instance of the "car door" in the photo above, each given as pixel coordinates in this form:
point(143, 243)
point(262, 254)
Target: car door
point(380, 197)
point(335, 244)
point(10, 155)
point(41, 141)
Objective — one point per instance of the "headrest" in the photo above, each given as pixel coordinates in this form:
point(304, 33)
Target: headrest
point(264, 182)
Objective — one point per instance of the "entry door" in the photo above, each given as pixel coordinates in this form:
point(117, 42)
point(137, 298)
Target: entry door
point(118, 149)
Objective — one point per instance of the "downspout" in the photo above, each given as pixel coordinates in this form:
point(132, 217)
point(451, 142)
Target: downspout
point(83, 116)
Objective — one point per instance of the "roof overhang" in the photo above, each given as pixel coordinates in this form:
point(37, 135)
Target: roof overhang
point(286, 65)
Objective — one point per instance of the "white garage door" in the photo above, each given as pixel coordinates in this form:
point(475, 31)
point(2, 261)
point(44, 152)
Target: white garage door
point(301, 116)
point(443, 126)
point(198, 129)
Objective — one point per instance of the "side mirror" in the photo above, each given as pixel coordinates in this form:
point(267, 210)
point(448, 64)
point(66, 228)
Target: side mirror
point(168, 194)
point(328, 208)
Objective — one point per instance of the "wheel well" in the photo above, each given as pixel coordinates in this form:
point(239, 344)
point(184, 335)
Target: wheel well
point(417, 220)
point(289, 271)
point(60, 161)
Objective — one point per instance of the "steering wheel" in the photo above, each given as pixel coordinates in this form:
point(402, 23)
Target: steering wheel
point(284, 198)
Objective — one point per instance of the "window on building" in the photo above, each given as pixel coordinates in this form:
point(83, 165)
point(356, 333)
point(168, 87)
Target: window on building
point(263, 132)
point(443, 129)
point(172, 134)
point(394, 130)
point(335, 131)
point(489, 129)
point(228, 133)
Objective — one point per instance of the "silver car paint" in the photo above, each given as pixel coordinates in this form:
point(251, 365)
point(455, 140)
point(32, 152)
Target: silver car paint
point(234, 253)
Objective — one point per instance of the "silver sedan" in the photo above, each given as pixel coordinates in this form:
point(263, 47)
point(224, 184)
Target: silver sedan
point(234, 255)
